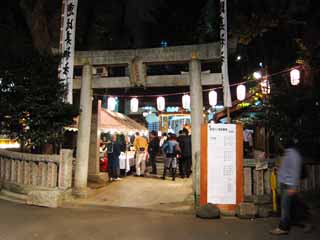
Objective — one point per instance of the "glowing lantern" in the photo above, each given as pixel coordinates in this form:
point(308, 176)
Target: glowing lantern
point(186, 101)
point(111, 103)
point(134, 105)
point(241, 92)
point(265, 87)
point(295, 77)
point(161, 103)
point(213, 98)
point(257, 75)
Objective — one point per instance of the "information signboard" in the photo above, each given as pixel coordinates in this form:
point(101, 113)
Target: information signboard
point(221, 179)
point(221, 164)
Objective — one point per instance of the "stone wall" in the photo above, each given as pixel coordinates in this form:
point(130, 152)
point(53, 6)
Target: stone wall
point(42, 180)
point(258, 192)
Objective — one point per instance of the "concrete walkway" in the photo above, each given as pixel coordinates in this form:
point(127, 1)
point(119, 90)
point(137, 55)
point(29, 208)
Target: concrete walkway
point(21, 222)
point(142, 192)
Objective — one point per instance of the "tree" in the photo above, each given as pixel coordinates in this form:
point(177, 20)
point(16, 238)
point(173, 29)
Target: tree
point(32, 98)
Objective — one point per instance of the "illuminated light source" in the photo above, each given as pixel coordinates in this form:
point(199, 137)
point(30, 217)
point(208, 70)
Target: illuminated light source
point(134, 105)
point(238, 58)
point(241, 92)
point(213, 98)
point(161, 103)
point(295, 77)
point(186, 101)
point(111, 103)
point(257, 75)
point(265, 87)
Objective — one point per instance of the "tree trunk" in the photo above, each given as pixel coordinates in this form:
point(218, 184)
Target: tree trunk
point(35, 15)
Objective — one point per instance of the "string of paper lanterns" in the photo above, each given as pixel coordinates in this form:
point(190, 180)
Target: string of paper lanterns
point(213, 95)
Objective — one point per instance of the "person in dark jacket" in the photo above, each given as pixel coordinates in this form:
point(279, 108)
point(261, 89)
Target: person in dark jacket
point(186, 160)
point(172, 150)
point(113, 152)
point(153, 149)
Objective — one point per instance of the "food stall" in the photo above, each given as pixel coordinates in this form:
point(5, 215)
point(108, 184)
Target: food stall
point(125, 129)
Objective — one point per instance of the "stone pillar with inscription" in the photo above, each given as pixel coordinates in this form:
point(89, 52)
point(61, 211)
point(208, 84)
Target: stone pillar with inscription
point(196, 121)
point(83, 141)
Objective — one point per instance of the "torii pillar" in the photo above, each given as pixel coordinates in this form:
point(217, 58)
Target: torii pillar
point(196, 121)
point(83, 141)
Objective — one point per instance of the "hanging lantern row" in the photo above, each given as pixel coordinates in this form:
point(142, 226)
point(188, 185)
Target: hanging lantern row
point(213, 96)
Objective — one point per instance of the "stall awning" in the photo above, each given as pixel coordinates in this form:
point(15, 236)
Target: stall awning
point(113, 122)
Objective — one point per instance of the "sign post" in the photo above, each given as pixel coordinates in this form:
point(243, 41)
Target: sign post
point(222, 165)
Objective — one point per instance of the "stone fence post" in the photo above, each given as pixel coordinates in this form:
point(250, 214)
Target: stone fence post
point(65, 169)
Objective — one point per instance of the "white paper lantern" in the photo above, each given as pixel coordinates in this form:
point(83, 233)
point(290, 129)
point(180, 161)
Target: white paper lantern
point(186, 101)
point(295, 77)
point(213, 96)
point(111, 103)
point(161, 103)
point(265, 87)
point(257, 75)
point(134, 105)
point(241, 92)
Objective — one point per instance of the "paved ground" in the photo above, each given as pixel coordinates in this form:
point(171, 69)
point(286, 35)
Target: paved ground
point(147, 192)
point(20, 222)
point(150, 192)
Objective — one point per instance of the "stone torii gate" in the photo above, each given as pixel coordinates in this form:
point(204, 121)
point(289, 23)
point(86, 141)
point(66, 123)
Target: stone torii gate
point(136, 61)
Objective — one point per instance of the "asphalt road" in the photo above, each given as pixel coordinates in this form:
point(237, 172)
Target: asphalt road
point(27, 222)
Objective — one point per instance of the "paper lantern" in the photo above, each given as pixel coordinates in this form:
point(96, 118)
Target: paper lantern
point(241, 92)
point(257, 75)
point(161, 103)
point(111, 103)
point(213, 98)
point(295, 77)
point(265, 87)
point(186, 101)
point(134, 105)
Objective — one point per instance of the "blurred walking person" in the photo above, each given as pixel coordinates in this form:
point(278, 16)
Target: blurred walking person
point(289, 178)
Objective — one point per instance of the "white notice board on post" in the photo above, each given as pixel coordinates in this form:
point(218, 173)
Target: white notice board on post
point(221, 164)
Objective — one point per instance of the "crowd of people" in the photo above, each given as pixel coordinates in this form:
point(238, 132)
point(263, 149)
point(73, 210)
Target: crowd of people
point(174, 150)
